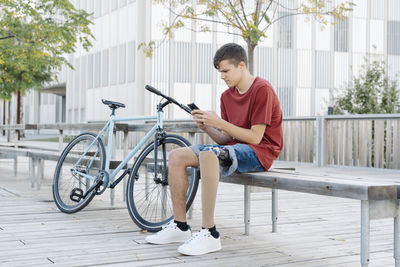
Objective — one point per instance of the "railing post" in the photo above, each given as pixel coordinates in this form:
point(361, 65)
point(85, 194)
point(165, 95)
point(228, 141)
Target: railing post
point(321, 142)
point(60, 140)
point(125, 143)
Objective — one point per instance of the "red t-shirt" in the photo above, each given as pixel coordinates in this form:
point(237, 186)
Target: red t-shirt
point(259, 105)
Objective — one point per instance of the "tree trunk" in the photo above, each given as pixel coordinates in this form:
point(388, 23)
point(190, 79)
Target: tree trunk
point(4, 116)
point(250, 54)
point(19, 112)
point(9, 121)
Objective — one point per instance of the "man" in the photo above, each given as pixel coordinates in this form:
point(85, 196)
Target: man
point(249, 138)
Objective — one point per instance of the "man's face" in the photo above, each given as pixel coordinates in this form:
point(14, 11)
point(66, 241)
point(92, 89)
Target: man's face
point(230, 73)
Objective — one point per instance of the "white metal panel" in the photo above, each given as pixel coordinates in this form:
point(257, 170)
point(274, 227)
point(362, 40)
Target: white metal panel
point(303, 105)
point(304, 68)
point(394, 10)
point(359, 35)
point(358, 61)
point(323, 37)
point(341, 69)
point(303, 33)
point(321, 101)
point(360, 9)
point(377, 36)
point(377, 9)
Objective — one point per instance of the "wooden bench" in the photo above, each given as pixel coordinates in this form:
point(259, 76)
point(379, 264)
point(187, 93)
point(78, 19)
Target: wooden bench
point(37, 156)
point(377, 191)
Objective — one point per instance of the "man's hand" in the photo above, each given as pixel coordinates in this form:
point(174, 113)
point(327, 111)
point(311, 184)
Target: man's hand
point(204, 118)
point(196, 120)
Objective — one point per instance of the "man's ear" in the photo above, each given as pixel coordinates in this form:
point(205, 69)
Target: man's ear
point(242, 65)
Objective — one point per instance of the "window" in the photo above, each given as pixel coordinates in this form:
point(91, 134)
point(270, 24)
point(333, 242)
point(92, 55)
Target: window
point(377, 9)
point(393, 9)
point(83, 73)
point(97, 65)
point(394, 37)
point(131, 61)
point(97, 8)
point(113, 65)
point(204, 63)
point(104, 73)
point(77, 75)
point(122, 63)
point(114, 4)
point(122, 3)
point(285, 30)
point(182, 64)
point(324, 70)
point(285, 96)
point(160, 63)
point(90, 72)
point(105, 7)
point(265, 63)
point(341, 36)
point(90, 8)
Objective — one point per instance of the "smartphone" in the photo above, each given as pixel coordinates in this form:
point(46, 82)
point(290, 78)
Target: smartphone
point(192, 106)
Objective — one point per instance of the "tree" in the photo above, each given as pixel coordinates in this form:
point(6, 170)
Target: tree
point(238, 20)
point(371, 92)
point(35, 37)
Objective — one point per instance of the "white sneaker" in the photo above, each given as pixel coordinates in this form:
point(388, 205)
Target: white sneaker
point(201, 243)
point(170, 233)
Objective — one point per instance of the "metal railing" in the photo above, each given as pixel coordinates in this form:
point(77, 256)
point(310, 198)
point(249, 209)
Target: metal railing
point(371, 140)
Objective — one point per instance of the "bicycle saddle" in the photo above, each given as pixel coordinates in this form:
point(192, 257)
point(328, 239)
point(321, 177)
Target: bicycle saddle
point(113, 104)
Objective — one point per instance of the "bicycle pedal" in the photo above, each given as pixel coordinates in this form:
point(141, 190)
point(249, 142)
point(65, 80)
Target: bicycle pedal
point(76, 194)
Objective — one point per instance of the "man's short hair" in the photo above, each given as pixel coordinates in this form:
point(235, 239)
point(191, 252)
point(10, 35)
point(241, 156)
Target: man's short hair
point(232, 52)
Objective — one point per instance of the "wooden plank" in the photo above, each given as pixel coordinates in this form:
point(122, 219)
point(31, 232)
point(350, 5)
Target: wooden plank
point(348, 143)
point(396, 144)
point(379, 128)
point(295, 140)
point(388, 144)
point(311, 139)
point(335, 135)
point(316, 185)
point(356, 159)
point(369, 143)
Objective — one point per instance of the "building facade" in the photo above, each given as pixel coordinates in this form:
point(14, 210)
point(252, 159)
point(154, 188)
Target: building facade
point(305, 63)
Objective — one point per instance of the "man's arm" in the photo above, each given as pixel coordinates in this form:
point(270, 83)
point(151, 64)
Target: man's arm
point(210, 119)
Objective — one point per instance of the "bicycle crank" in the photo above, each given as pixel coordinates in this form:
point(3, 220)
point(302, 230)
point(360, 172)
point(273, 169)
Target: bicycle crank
point(100, 185)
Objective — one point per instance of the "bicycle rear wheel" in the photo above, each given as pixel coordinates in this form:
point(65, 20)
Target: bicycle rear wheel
point(148, 197)
point(68, 185)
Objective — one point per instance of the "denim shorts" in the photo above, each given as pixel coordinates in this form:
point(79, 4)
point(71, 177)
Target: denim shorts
point(243, 158)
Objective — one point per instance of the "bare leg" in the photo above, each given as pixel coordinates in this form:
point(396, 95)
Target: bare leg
point(178, 160)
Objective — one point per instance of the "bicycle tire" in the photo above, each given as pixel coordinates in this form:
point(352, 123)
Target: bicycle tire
point(143, 194)
point(65, 180)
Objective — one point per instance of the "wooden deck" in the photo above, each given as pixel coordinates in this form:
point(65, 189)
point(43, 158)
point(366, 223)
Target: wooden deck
point(312, 230)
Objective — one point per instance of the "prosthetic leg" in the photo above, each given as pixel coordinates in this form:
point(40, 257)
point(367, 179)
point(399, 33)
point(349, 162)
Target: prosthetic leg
point(209, 169)
point(207, 239)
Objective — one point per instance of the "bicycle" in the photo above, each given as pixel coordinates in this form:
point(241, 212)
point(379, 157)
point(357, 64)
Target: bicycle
point(83, 169)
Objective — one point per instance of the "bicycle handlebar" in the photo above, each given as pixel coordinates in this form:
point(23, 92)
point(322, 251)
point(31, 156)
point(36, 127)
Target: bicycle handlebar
point(157, 92)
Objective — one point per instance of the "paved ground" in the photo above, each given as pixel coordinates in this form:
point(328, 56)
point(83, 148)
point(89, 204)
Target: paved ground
point(313, 230)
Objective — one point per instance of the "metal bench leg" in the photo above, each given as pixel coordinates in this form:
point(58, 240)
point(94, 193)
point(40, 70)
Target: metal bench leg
point(40, 172)
point(246, 210)
point(274, 210)
point(112, 196)
point(32, 171)
point(15, 165)
point(364, 233)
point(396, 250)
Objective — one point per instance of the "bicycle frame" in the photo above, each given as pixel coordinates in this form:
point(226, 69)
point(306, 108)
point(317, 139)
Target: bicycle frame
point(108, 131)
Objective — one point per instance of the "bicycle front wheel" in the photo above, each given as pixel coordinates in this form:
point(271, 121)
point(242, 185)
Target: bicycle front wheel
point(148, 197)
point(83, 155)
